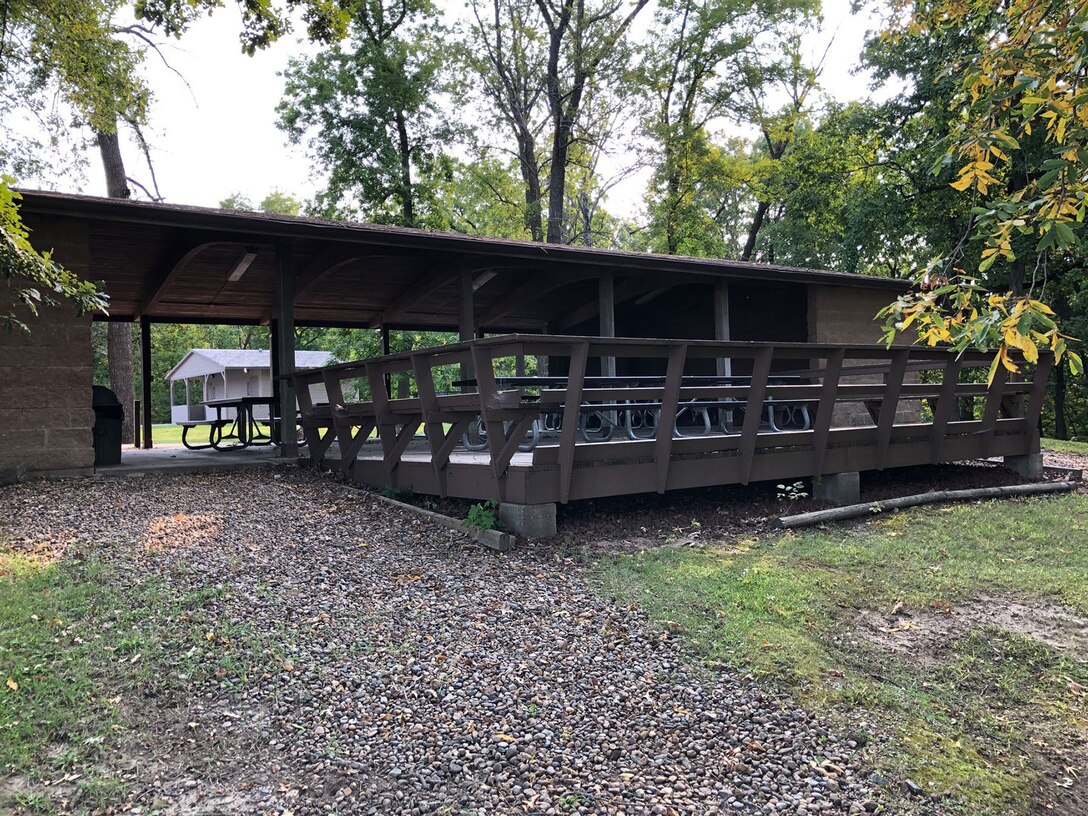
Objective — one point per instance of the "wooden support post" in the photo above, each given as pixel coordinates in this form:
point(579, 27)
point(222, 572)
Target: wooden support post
point(386, 348)
point(466, 315)
point(1035, 400)
point(753, 411)
point(606, 308)
point(721, 325)
point(893, 385)
point(946, 404)
point(145, 376)
point(994, 395)
point(825, 410)
point(285, 346)
point(666, 422)
point(572, 415)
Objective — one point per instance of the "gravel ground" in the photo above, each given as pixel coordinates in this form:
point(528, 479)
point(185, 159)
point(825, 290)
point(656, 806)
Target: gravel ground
point(407, 671)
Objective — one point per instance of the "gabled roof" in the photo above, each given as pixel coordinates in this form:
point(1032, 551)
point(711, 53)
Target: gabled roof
point(199, 362)
point(174, 263)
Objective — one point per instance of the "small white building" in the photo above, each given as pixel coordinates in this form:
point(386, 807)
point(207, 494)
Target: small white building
point(226, 374)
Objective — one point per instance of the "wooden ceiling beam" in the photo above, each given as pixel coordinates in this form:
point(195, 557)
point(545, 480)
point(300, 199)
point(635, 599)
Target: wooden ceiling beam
point(419, 289)
point(527, 292)
point(624, 292)
point(325, 264)
point(170, 269)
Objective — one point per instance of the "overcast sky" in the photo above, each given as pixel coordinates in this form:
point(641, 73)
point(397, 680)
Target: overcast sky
point(218, 135)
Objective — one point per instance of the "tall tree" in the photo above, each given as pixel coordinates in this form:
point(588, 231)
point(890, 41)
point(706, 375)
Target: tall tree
point(368, 110)
point(689, 73)
point(506, 52)
point(586, 48)
point(548, 69)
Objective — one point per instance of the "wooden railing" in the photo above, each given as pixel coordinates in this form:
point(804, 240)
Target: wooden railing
point(864, 407)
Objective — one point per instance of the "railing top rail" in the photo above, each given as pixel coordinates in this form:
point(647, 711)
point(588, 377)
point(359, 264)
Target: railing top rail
point(604, 346)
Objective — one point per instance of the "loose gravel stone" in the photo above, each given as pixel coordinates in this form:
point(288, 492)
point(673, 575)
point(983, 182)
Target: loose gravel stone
point(389, 666)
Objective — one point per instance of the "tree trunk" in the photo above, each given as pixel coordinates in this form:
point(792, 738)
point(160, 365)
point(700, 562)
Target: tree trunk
point(530, 175)
point(407, 205)
point(109, 146)
point(119, 334)
point(557, 180)
point(753, 231)
point(119, 357)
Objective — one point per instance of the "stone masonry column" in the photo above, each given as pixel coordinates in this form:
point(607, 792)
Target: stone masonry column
point(528, 521)
point(838, 488)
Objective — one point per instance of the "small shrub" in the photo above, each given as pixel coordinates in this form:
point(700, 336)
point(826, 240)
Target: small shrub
point(483, 516)
point(792, 492)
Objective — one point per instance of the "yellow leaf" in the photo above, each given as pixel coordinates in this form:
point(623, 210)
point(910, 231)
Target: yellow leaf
point(11, 684)
point(1042, 307)
point(963, 182)
point(506, 738)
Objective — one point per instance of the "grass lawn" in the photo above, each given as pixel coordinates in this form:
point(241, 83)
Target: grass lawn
point(1063, 446)
point(79, 638)
point(971, 710)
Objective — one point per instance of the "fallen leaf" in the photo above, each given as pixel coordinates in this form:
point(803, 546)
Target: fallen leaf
point(288, 666)
point(11, 684)
point(506, 738)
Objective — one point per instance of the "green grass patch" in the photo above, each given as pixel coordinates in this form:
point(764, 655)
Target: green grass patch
point(82, 646)
point(962, 719)
point(1065, 446)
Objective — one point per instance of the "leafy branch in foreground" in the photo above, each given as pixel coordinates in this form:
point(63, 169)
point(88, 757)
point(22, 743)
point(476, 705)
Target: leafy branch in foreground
point(1018, 134)
point(962, 314)
point(34, 279)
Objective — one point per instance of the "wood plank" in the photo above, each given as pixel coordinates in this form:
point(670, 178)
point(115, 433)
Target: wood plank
point(889, 404)
point(825, 411)
point(572, 414)
point(761, 369)
point(945, 406)
point(666, 422)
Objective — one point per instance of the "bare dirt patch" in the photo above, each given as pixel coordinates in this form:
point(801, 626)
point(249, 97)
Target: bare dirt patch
point(927, 634)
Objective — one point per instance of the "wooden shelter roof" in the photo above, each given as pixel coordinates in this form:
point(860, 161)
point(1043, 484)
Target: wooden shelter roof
point(168, 262)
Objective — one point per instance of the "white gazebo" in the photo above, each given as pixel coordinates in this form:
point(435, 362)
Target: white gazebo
point(226, 374)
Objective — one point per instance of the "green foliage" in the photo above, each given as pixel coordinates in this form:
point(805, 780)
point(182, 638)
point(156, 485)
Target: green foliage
point(263, 21)
point(964, 718)
point(32, 279)
point(1013, 133)
point(483, 516)
point(792, 492)
point(367, 111)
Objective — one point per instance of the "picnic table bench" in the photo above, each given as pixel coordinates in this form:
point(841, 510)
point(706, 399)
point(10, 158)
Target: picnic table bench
point(244, 430)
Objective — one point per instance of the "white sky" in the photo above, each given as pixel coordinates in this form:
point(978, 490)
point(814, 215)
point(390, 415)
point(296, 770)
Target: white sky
point(220, 137)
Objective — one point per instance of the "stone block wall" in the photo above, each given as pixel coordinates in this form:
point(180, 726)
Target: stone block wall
point(844, 314)
point(45, 393)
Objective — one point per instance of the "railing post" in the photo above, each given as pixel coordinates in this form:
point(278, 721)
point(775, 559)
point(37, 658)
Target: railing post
point(946, 404)
point(995, 393)
point(1035, 401)
point(889, 405)
point(753, 411)
point(666, 423)
point(825, 410)
point(572, 413)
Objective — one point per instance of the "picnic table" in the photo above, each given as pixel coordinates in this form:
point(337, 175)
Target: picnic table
point(244, 430)
point(638, 418)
